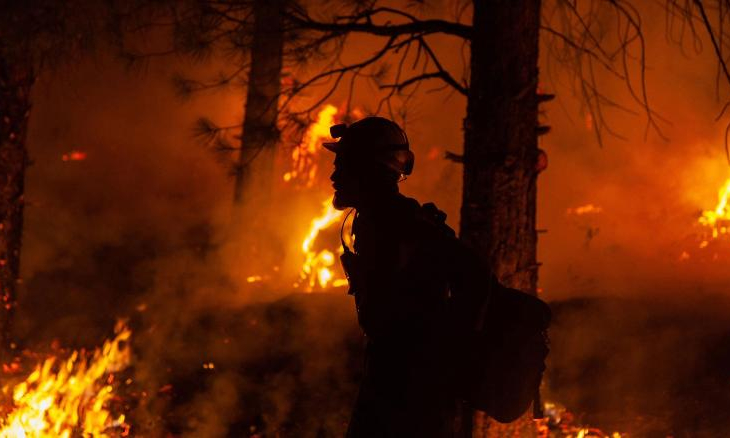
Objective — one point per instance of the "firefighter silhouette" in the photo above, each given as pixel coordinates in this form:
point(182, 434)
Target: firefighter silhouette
point(439, 325)
point(399, 285)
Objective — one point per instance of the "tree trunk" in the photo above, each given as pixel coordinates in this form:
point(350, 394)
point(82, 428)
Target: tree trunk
point(500, 148)
point(15, 86)
point(260, 132)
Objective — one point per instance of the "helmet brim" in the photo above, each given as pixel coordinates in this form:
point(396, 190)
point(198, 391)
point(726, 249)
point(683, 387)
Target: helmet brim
point(333, 146)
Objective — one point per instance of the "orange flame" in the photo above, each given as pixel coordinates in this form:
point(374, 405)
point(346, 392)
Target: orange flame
point(584, 209)
point(74, 156)
point(304, 163)
point(717, 221)
point(69, 398)
point(317, 269)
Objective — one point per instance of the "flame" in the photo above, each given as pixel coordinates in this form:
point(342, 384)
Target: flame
point(304, 163)
point(317, 269)
point(584, 209)
point(74, 156)
point(71, 398)
point(717, 221)
point(559, 422)
point(254, 278)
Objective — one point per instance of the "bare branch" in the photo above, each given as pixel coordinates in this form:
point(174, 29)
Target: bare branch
point(586, 45)
point(355, 24)
point(341, 70)
point(433, 75)
point(718, 50)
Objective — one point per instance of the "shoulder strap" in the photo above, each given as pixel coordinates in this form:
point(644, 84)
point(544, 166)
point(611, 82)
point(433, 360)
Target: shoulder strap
point(435, 218)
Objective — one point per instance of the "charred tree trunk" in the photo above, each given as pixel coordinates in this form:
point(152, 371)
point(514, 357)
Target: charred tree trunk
point(15, 86)
point(260, 132)
point(500, 140)
point(500, 146)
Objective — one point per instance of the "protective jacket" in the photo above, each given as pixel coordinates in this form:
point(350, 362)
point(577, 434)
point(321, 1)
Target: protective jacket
point(401, 286)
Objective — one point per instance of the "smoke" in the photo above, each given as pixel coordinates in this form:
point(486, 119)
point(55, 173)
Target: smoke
point(143, 228)
point(650, 189)
point(639, 308)
point(643, 367)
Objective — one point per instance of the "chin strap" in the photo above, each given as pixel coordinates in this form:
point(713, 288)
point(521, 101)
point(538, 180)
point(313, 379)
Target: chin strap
point(349, 259)
point(342, 230)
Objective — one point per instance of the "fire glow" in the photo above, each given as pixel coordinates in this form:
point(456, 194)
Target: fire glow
point(304, 157)
point(317, 270)
point(74, 156)
point(70, 398)
point(583, 210)
point(717, 221)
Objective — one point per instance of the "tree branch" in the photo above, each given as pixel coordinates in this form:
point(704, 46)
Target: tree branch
point(433, 75)
point(715, 44)
point(423, 27)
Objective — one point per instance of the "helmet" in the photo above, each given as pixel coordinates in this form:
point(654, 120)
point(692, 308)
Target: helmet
point(374, 138)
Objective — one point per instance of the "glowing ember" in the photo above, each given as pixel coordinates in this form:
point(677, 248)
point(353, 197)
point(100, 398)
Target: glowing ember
point(74, 156)
point(717, 221)
point(317, 269)
point(584, 209)
point(559, 422)
point(254, 278)
point(71, 398)
point(304, 157)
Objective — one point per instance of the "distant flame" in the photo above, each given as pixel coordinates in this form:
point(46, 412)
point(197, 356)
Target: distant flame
point(584, 209)
point(304, 157)
point(254, 278)
point(71, 398)
point(74, 156)
point(717, 221)
point(317, 269)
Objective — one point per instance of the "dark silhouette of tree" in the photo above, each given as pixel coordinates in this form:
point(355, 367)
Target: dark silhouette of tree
point(260, 133)
point(35, 36)
point(252, 36)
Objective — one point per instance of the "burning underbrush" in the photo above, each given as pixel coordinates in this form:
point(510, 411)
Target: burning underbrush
point(290, 368)
point(67, 395)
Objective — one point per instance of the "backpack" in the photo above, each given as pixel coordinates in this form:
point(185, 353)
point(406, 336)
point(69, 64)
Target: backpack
point(499, 335)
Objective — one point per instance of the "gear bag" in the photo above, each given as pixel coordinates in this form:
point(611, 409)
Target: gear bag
point(503, 357)
point(500, 334)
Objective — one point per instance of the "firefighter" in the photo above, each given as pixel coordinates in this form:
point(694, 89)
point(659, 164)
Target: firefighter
point(397, 275)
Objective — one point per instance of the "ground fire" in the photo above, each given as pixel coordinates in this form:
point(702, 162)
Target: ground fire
point(717, 222)
point(69, 397)
point(319, 269)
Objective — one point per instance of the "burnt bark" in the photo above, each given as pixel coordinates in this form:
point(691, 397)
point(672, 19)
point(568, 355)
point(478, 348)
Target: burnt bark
point(501, 154)
point(16, 81)
point(260, 132)
point(500, 140)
